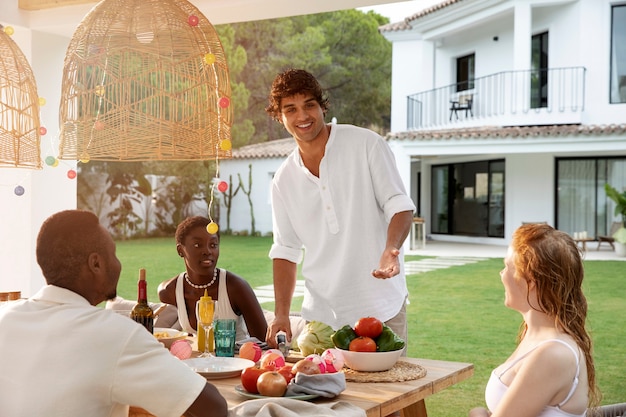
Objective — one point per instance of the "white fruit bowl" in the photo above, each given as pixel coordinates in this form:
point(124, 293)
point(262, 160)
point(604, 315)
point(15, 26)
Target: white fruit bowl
point(370, 361)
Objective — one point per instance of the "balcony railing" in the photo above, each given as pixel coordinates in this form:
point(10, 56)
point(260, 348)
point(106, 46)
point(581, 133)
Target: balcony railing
point(509, 98)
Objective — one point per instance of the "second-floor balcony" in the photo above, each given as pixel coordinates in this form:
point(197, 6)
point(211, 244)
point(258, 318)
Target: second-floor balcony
point(509, 98)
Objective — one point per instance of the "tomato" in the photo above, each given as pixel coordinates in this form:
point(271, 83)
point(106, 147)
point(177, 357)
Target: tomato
point(249, 377)
point(363, 344)
point(285, 371)
point(271, 384)
point(368, 327)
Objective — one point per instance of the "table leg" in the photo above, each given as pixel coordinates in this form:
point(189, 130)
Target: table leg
point(417, 409)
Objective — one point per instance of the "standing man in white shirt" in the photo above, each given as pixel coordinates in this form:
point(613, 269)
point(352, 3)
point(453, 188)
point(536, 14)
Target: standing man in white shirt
point(338, 202)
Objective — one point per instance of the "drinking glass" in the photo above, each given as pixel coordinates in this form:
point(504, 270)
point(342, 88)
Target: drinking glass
point(205, 310)
point(225, 333)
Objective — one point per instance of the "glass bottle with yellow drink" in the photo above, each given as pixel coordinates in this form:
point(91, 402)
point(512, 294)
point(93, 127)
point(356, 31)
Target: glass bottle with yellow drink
point(205, 310)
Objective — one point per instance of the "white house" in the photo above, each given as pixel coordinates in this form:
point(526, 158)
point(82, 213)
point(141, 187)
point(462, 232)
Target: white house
point(510, 111)
point(263, 159)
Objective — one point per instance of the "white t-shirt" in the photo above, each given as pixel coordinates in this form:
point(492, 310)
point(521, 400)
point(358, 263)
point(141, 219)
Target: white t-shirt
point(62, 357)
point(340, 220)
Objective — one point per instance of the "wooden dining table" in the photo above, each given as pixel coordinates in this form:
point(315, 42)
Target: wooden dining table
point(378, 399)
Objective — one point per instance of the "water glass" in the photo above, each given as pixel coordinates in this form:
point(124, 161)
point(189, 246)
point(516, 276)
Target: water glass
point(225, 331)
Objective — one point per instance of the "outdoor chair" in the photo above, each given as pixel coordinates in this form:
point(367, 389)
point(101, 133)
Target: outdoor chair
point(610, 410)
point(463, 103)
point(609, 239)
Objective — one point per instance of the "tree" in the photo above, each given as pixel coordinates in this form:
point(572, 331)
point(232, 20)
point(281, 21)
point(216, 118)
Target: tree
point(183, 184)
point(127, 187)
point(228, 200)
point(343, 49)
point(248, 192)
point(243, 128)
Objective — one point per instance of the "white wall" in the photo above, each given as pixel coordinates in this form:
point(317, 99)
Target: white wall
point(262, 173)
point(529, 190)
point(46, 191)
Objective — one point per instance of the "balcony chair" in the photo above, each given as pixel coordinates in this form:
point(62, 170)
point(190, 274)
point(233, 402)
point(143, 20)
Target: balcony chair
point(609, 238)
point(464, 102)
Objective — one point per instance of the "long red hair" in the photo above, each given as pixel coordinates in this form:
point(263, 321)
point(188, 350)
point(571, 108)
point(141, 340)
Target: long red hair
point(552, 260)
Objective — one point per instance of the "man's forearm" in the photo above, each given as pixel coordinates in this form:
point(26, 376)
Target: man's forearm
point(284, 286)
point(399, 228)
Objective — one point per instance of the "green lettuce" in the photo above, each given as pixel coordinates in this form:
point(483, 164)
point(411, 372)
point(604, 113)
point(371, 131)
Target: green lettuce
point(315, 338)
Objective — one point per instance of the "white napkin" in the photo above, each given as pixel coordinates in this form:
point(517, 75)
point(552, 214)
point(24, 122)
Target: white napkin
point(324, 385)
point(286, 407)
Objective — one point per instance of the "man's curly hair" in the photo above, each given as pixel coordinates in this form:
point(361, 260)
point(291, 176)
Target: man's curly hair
point(290, 83)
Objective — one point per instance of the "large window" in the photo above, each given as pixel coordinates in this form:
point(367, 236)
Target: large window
point(539, 73)
point(582, 204)
point(468, 199)
point(465, 73)
point(618, 54)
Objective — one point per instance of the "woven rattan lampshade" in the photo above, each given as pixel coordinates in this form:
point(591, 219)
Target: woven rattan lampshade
point(145, 80)
point(19, 108)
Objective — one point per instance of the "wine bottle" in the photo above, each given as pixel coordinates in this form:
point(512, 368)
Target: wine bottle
point(142, 313)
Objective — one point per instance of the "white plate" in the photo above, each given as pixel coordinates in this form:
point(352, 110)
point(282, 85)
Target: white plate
point(242, 391)
point(218, 367)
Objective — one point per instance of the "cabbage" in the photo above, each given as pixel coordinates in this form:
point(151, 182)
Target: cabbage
point(315, 338)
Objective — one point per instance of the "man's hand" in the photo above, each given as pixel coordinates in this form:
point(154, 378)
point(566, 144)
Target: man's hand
point(389, 265)
point(277, 325)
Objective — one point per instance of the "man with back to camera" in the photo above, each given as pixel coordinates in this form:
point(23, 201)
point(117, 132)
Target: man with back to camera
point(61, 356)
point(339, 199)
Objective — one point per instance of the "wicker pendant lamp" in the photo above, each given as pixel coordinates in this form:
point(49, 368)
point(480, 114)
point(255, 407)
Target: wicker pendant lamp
point(19, 108)
point(145, 80)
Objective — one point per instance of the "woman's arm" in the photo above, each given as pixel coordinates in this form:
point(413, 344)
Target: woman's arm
point(167, 291)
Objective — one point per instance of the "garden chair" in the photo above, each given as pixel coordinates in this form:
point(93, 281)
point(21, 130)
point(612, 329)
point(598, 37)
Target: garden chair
point(610, 410)
point(609, 238)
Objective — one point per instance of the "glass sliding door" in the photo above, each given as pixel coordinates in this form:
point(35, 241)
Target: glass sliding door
point(468, 199)
point(576, 199)
point(582, 204)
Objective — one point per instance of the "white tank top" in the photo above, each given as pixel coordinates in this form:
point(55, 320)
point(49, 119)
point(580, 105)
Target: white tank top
point(496, 389)
point(223, 309)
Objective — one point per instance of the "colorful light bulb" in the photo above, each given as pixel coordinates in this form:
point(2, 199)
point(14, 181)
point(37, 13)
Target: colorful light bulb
point(226, 145)
point(212, 228)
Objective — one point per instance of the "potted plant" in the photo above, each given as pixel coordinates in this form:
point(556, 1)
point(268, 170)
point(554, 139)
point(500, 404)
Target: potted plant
point(620, 210)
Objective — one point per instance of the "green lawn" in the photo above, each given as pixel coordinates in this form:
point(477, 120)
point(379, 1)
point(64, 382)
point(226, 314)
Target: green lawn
point(455, 314)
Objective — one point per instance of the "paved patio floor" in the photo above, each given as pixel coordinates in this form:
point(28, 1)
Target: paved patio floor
point(440, 248)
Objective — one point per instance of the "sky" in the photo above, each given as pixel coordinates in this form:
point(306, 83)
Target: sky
point(398, 11)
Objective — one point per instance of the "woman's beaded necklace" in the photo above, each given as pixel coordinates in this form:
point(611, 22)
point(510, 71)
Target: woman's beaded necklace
point(201, 287)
